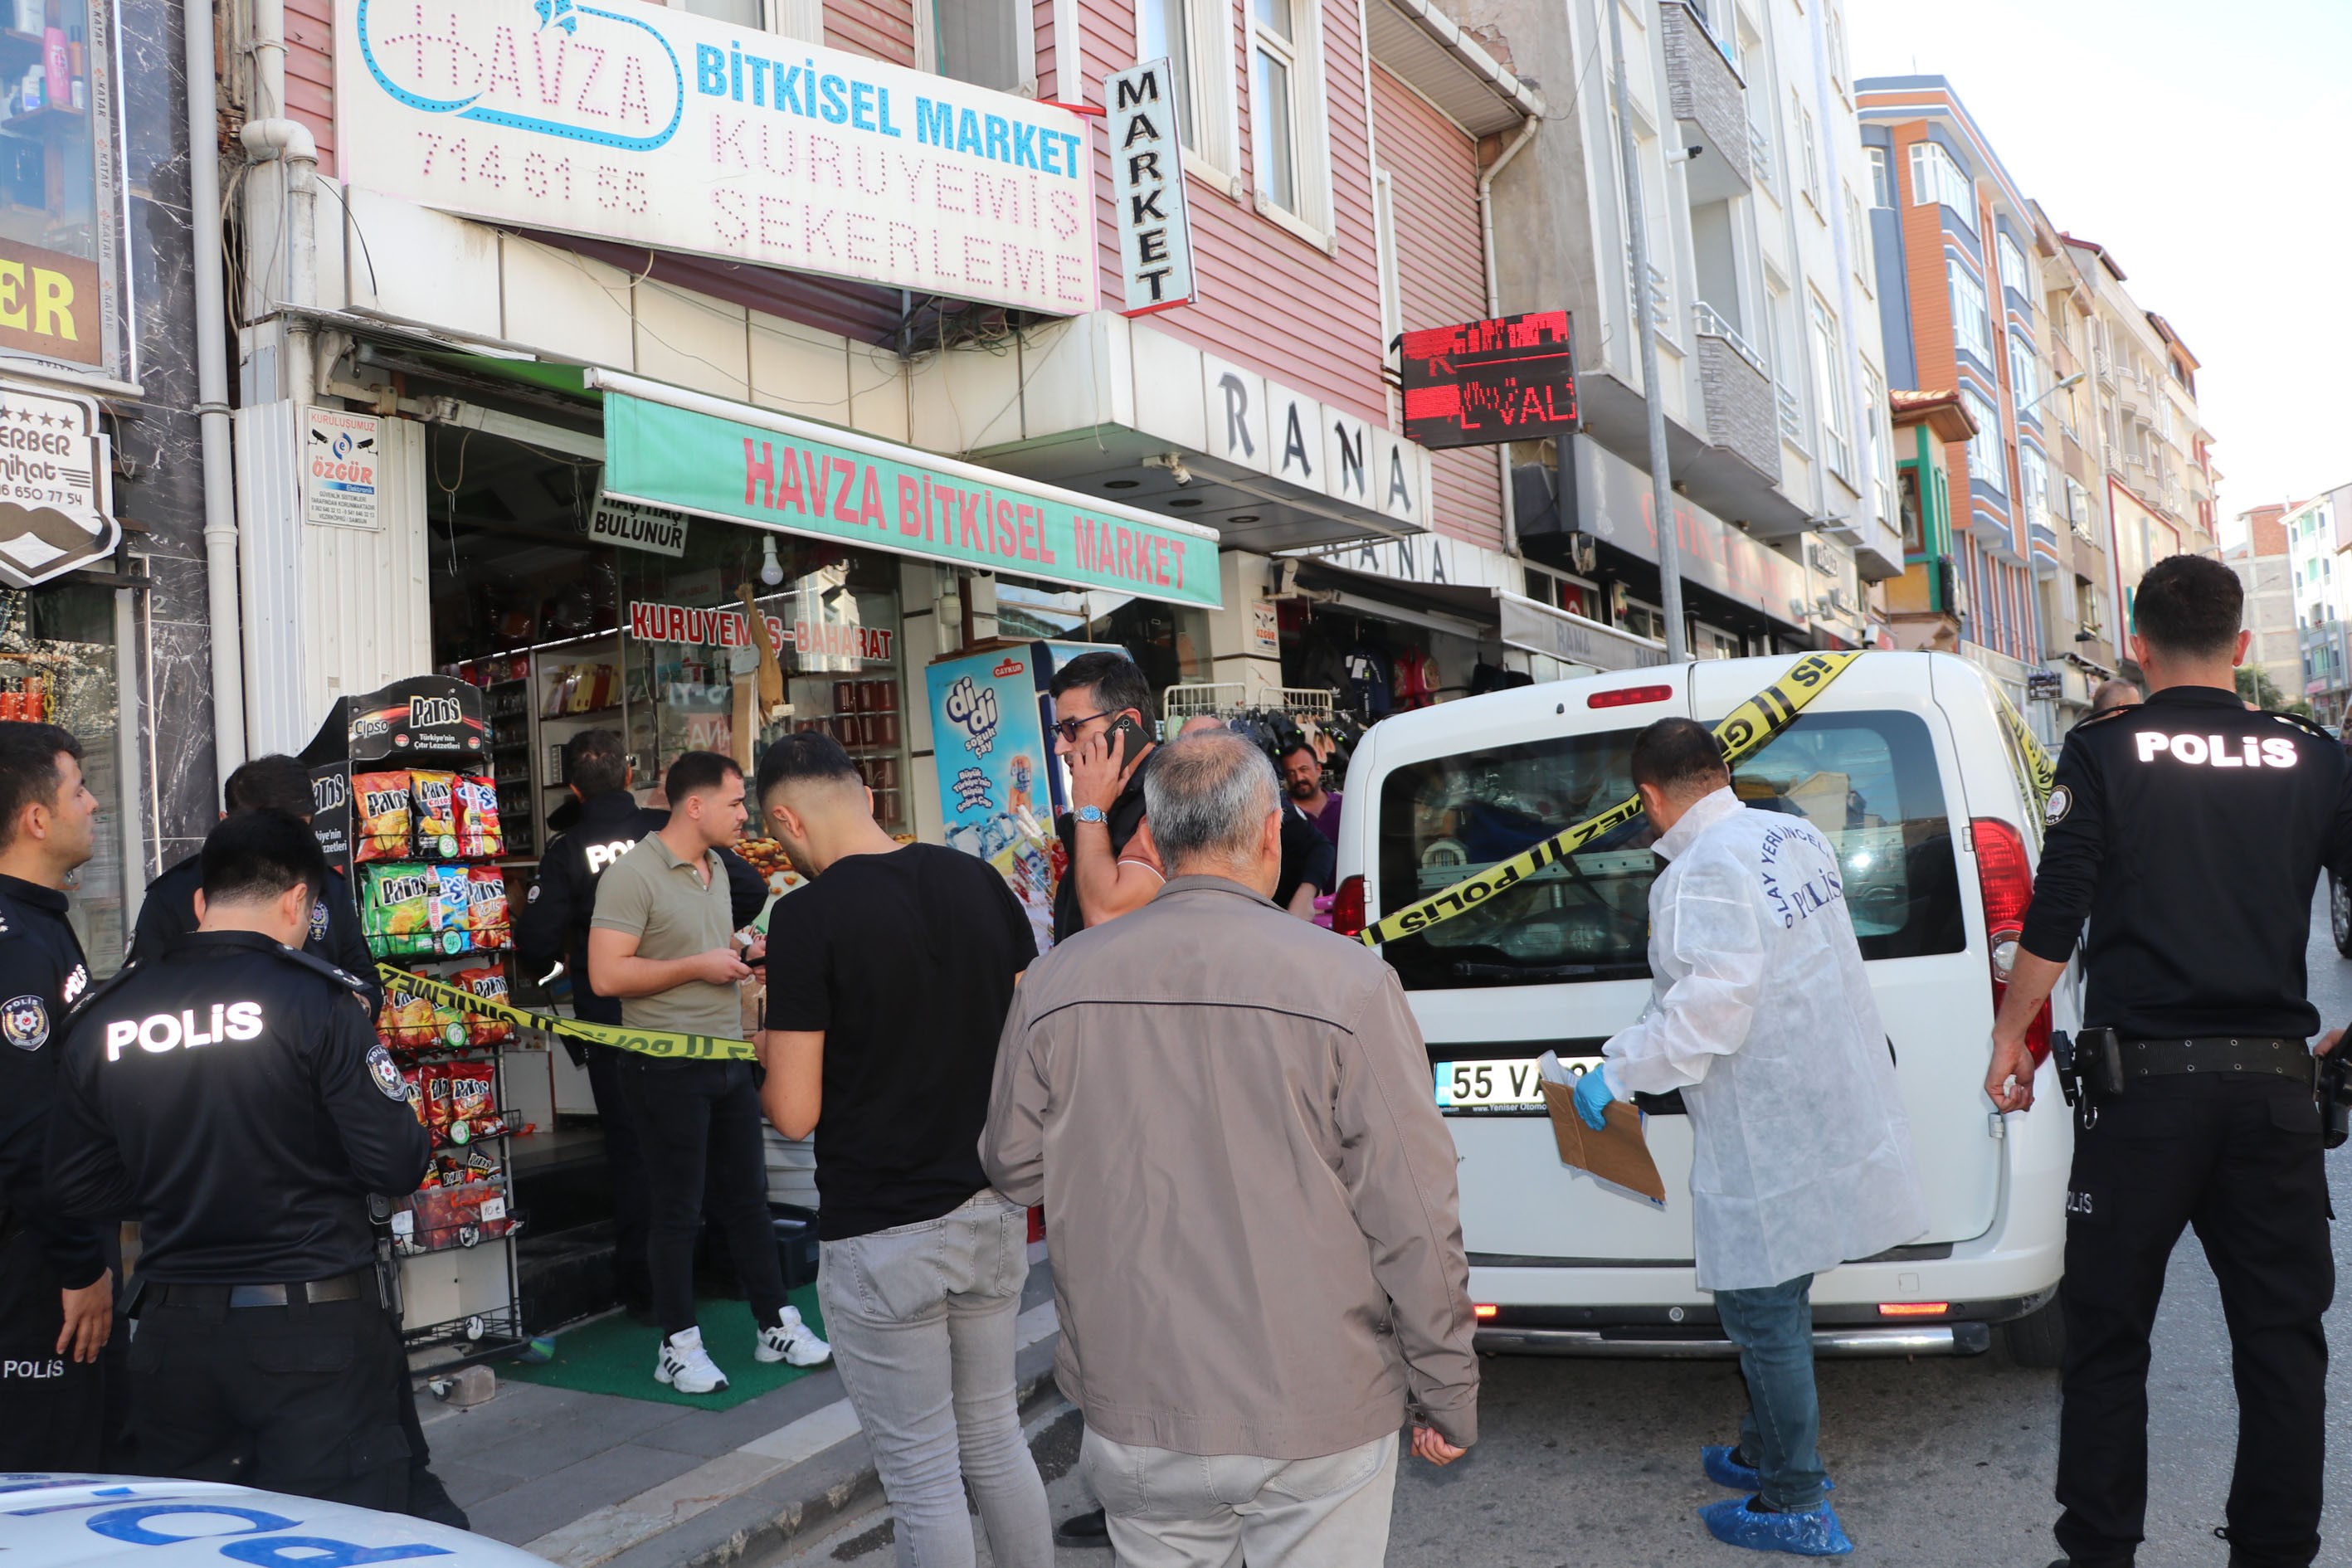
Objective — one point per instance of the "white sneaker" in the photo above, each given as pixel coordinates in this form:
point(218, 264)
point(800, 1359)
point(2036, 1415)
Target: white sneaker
point(685, 1366)
point(792, 1340)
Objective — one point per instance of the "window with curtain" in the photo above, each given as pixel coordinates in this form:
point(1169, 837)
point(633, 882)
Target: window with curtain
point(1936, 176)
point(1163, 29)
point(983, 42)
point(1971, 327)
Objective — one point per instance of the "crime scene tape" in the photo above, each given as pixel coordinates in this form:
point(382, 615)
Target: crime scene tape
point(645, 1042)
point(2040, 772)
point(1750, 726)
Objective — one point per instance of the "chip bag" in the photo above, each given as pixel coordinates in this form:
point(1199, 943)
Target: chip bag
point(409, 1022)
point(486, 920)
point(412, 1080)
point(434, 1079)
point(383, 818)
point(434, 795)
point(451, 900)
point(489, 983)
point(472, 1085)
point(479, 836)
point(395, 910)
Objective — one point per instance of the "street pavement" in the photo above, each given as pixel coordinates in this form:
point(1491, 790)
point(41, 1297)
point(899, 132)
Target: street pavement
point(1594, 1464)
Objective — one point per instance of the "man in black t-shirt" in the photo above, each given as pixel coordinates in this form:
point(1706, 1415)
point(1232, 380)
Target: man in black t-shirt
point(889, 977)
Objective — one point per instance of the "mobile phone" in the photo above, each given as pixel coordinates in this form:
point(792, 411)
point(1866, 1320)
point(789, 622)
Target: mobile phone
point(1133, 739)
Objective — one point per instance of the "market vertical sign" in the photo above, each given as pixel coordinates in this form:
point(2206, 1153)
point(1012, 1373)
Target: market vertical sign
point(1147, 162)
point(635, 122)
point(57, 498)
point(891, 498)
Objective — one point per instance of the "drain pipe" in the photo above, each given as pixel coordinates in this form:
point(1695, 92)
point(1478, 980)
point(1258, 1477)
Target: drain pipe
point(1527, 129)
point(212, 393)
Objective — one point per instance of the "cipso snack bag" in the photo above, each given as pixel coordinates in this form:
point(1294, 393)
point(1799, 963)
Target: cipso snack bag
point(486, 920)
point(477, 819)
point(382, 818)
point(413, 1078)
point(451, 900)
point(436, 801)
point(434, 1078)
point(491, 985)
point(396, 911)
point(472, 1088)
point(409, 1021)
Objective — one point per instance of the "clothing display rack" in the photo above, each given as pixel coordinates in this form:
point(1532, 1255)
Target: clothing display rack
point(1229, 698)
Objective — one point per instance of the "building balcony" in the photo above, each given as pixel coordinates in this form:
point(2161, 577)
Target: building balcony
point(1742, 414)
point(1709, 104)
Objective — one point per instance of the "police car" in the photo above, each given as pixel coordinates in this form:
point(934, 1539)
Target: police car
point(81, 1521)
point(1907, 765)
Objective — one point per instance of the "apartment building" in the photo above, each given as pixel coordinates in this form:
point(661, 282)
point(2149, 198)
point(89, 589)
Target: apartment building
point(2265, 566)
point(1965, 311)
point(1760, 298)
point(2154, 448)
point(2318, 531)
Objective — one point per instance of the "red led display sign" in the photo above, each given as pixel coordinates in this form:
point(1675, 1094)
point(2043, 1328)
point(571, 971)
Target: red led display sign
point(1485, 382)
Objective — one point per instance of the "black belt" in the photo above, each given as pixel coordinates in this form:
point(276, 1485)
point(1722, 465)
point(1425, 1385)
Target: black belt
point(348, 1287)
point(2218, 1054)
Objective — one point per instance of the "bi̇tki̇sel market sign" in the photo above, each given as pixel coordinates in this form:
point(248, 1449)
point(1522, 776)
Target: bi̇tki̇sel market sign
point(806, 479)
point(635, 122)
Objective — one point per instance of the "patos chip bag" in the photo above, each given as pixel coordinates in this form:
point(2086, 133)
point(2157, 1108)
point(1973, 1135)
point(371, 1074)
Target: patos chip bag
point(435, 803)
point(396, 909)
point(485, 916)
point(491, 985)
point(383, 818)
point(478, 838)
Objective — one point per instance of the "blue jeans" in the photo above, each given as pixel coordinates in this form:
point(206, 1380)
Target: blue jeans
point(1773, 1327)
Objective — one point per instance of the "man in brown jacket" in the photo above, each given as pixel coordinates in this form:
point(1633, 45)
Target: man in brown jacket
point(1257, 1250)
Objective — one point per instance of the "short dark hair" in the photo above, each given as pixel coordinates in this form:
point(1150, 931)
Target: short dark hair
point(1118, 682)
point(2189, 605)
point(1675, 752)
point(694, 772)
point(270, 784)
point(596, 762)
point(259, 854)
point(29, 774)
point(1284, 749)
point(806, 756)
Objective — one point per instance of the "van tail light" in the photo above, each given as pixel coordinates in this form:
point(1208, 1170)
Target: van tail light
point(2006, 879)
point(1627, 696)
point(1348, 907)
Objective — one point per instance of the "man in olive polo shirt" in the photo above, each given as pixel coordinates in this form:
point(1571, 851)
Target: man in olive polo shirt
point(663, 941)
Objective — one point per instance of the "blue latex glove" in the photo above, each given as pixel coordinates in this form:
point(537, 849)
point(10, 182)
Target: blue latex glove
point(1592, 1097)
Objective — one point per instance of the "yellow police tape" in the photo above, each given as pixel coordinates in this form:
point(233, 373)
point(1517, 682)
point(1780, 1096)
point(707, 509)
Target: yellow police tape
point(1751, 725)
point(2040, 771)
point(645, 1042)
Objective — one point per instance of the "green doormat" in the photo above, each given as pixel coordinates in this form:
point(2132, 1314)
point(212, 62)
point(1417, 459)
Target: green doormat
point(614, 1355)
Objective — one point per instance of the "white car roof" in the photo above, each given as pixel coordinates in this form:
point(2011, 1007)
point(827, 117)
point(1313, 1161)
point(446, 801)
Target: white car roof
point(49, 1521)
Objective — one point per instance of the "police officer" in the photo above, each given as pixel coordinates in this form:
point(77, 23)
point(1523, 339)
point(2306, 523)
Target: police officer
point(552, 928)
point(230, 1095)
point(274, 783)
point(2190, 834)
point(57, 1285)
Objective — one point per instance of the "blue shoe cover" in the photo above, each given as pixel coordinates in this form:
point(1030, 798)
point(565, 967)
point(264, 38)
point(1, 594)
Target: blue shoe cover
point(1815, 1535)
point(1721, 1463)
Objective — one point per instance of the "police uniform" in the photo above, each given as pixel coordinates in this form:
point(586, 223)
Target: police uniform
point(228, 1096)
point(169, 911)
point(54, 1405)
point(551, 927)
point(2190, 834)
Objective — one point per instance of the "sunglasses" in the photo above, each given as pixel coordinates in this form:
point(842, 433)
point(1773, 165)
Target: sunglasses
point(1069, 728)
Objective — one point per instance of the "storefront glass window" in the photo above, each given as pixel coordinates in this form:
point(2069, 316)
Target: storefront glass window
point(1170, 642)
point(57, 666)
point(59, 183)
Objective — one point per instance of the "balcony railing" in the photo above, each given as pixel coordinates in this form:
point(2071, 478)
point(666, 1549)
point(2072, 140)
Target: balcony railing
point(1662, 320)
point(1708, 323)
point(1759, 154)
point(2102, 363)
point(1792, 418)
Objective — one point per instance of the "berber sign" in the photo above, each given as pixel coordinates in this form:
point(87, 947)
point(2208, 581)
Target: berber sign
point(56, 490)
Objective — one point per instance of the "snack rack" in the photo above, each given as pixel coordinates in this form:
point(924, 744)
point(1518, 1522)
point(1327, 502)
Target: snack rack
point(423, 869)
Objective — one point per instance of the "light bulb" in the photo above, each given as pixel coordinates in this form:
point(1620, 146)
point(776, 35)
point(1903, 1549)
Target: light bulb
point(772, 571)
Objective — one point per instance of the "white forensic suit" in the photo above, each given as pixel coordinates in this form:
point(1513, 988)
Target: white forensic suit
point(1760, 1013)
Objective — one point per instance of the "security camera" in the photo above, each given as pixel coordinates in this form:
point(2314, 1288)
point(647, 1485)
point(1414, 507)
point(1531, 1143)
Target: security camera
point(1173, 462)
point(1687, 155)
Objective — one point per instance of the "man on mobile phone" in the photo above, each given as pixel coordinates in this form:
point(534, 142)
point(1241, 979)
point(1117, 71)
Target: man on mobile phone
point(1102, 728)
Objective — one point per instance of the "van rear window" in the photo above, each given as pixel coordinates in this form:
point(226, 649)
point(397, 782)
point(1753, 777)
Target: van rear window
point(1867, 781)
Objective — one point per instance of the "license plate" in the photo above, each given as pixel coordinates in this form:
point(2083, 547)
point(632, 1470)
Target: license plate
point(1507, 1087)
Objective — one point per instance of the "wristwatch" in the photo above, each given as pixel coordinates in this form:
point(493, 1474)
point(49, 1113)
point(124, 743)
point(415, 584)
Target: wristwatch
point(1090, 813)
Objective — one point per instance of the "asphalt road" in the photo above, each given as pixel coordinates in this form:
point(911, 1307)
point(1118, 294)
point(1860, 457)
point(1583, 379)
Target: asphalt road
point(1594, 1464)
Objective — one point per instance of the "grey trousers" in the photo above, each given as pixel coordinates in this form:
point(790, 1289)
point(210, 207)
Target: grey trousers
point(1168, 1509)
point(921, 1320)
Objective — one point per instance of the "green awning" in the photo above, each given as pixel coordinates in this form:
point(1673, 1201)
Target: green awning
point(666, 446)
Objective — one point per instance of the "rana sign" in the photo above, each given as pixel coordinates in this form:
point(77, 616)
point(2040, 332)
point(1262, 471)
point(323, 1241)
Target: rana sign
point(635, 122)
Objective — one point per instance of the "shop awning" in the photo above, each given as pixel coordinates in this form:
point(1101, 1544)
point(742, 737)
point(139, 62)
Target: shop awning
point(670, 448)
point(1539, 628)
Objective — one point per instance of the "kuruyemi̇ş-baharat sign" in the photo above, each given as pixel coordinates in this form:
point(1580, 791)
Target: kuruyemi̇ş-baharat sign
point(801, 478)
point(636, 123)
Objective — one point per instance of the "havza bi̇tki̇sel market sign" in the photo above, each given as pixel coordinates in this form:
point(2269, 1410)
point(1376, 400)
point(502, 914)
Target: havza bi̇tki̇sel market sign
point(630, 121)
point(56, 486)
point(807, 479)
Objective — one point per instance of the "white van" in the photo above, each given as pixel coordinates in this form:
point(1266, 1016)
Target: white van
point(1904, 761)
